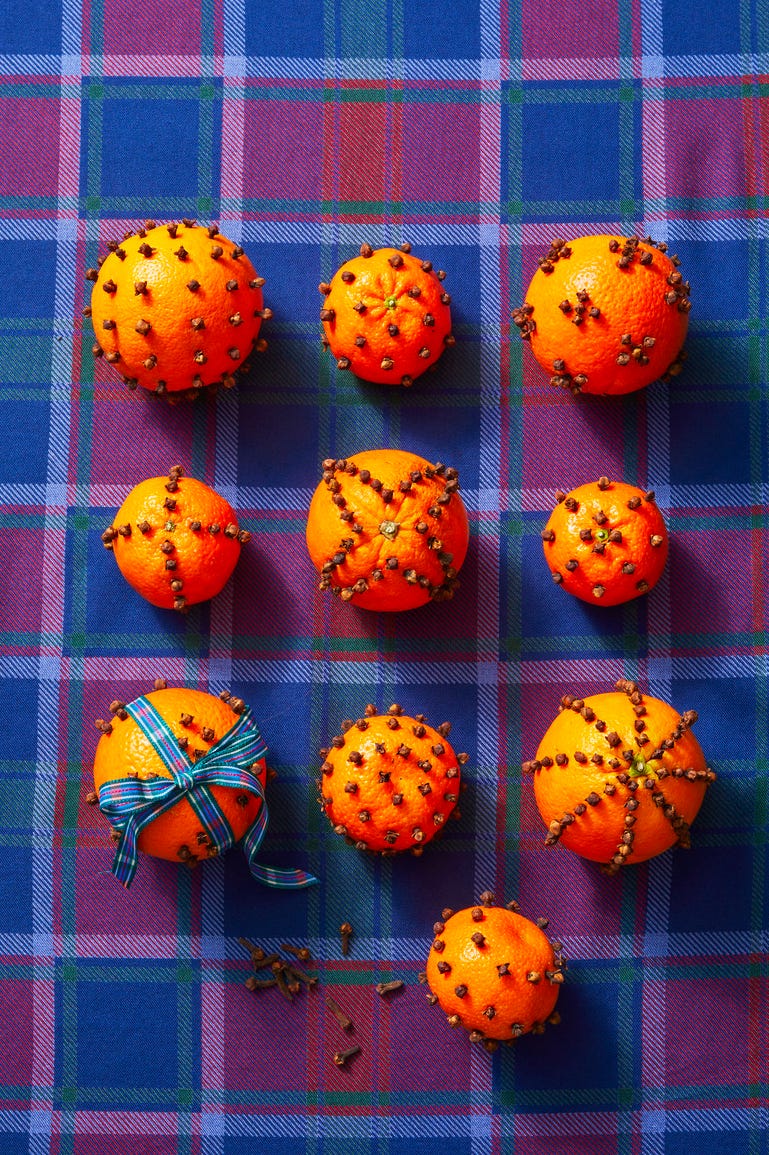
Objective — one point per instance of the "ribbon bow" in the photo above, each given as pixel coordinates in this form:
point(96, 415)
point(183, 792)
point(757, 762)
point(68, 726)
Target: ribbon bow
point(130, 804)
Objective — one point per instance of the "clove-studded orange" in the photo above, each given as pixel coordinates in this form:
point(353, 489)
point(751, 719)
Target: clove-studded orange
point(198, 720)
point(388, 530)
point(176, 308)
point(386, 315)
point(619, 777)
point(606, 542)
point(606, 314)
point(175, 540)
point(390, 782)
point(494, 972)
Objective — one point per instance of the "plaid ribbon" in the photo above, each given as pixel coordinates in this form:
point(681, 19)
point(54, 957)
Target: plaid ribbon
point(130, 804)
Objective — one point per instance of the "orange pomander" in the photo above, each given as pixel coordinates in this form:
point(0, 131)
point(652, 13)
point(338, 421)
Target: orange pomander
point(390, 782)
point(494, 972)
point(388, 530)
point(386, 316)
point(619, 777)
point(175, 540)
point(606, 542)
point(606, 314)
point(198, 721)
point(176, 308)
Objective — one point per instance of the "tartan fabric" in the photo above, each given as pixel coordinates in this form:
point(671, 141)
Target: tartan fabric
point(476, 131)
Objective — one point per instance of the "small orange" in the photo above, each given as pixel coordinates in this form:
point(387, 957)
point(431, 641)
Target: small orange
point(388, 530)
point(198, 720)
point(386, 315)
point(389, 782)
point(494, 972)
point(606, 314)
point(176, 308)
point(619, 777)
point(175, 540)
point(606, 542)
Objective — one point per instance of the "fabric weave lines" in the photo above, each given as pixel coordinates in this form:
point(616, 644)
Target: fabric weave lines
point(477, 132)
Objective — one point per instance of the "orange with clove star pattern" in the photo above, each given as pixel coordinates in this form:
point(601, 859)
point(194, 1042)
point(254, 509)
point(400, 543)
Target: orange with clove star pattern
point(619, 777)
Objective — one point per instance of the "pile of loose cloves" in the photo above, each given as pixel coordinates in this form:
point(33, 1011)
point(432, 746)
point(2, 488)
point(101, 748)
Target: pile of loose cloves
point(289, 977)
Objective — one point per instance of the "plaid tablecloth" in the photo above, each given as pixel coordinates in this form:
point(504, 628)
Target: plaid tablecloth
point(476, 132)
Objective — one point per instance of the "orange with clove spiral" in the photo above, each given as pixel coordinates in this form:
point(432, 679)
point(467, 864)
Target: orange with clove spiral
point(494, 972)
point(386, 315)
point(619, 777)
point(175, 540)
point(606, 314)
point(176, 308)
point(390, 782)
point(606, 542)
point(388, 530)
point(199, 721)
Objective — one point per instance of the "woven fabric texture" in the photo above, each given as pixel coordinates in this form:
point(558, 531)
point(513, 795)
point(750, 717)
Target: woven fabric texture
point(476, 132)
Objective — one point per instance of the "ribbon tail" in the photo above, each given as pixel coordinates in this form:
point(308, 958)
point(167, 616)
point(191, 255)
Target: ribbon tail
point(126, 857)
point(271, 875)
point(286, 879)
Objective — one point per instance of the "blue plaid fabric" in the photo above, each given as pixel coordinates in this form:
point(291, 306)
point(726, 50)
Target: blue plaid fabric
point(476, 132)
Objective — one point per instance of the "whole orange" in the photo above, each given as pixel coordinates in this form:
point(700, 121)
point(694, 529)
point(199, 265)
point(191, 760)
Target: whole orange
point(176, 308)
point(619, 777)
point(175, 540)
point(388, 530)
point(606, 314)
point(494, 972)
point(389, 782)
point(386, 315)
point(198, 720)
point(606, 542)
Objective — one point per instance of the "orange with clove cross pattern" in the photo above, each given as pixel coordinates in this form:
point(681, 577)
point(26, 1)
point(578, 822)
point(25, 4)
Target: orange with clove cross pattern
point(175, 540)
point(388, 530)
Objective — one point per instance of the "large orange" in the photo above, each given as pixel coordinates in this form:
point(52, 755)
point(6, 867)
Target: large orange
point(198, 720)
point(619, 777)
point(606, 314)
point(389, 782)
point(386, 315)
point(606, 542)
point(176, 307)
point(175, 540)
point(388, 530)
point(494, 972)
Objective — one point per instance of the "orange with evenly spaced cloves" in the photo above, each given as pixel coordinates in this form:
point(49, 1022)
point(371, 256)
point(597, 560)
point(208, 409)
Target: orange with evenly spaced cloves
point(606, 542)
point(619, 777)
point(606, 314)
point(388, 530)
point(390, 782)
point(494, 972)
point(386, 315)
point(198, 720)
point(176, 308)
point(175, 540)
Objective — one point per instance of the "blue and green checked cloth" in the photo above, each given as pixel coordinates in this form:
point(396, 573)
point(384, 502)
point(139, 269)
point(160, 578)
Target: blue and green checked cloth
point(477, 132)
